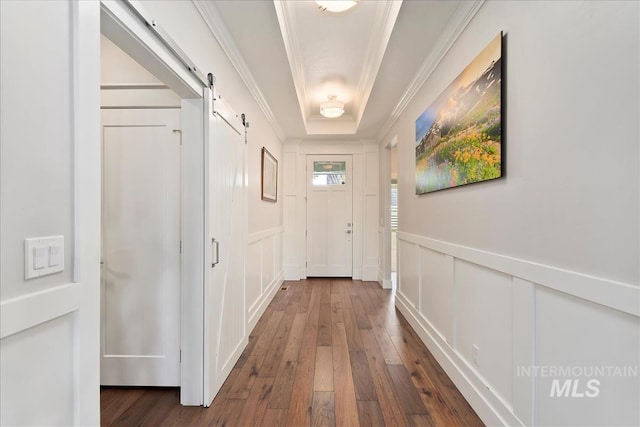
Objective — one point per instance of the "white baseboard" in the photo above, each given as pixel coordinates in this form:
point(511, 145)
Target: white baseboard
point(385, 283)
point(291, 272)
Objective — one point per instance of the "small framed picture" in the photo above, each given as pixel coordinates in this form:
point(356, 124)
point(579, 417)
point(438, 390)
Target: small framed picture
point(269, 176)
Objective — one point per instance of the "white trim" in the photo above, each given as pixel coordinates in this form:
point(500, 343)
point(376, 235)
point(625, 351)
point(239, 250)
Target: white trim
point(126, 30)
point(256, 311)
point(216, 25)
point(193, 262)
point(381, 29)
point(384, 283)
point(260, 235)
point(87, 211)
point(288, 28)
point(30, 310)
point(617, 295)
point(151, 98)
point(463, 14)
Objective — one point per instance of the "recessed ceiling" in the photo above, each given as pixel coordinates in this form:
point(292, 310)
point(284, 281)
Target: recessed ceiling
point(292, 55)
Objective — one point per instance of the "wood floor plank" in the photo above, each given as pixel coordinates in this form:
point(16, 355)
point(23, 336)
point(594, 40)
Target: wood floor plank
point(228, 414)
point(389, 352)
point(362, 380)
point(256, 404)
point(369, 414)
point(387, 397)
point(158, 412)
point(323, 413)
point(273, 356)
point(247, 376)
point(323, 376)
point(274, 417)
point(134, 414)
point(421, 421)
point(324, 325)
point(283, 386)
point(406, 391)
point(346, 408)
point(353, 332)
point(325, 292)
point(362, 318)
point(292, 349)
point(115, 401)
point(264, 340)
point(299, 413)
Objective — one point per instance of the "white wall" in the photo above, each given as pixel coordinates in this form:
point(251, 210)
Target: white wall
point(49, 326)
point(125, 83)
point(365, 204)
point(541, 267)
point(182, 21)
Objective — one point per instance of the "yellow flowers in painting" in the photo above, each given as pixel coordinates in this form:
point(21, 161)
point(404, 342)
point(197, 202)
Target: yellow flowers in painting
point(459, 137)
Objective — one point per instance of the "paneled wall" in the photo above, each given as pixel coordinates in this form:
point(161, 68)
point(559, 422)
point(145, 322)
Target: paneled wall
point(264, 272)
point(49, 170)
point(489, 318)
point(365, 205)
point(511, 281)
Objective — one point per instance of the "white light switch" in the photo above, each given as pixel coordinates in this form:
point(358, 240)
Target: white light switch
point(40, 257)
point(43, 255)
point(54, 256)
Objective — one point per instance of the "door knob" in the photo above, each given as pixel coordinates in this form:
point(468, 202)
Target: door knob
point(348, 231)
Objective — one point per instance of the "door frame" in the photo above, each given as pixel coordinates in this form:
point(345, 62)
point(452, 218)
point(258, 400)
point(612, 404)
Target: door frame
point(124, 23)
point(365, 194)
point(133, 108)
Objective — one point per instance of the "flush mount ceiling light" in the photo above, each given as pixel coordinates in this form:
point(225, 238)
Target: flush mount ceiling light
point(336, 5)
point(332, 108)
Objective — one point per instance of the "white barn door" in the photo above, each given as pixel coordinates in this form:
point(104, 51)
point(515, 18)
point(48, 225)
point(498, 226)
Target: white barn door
point(226, 222)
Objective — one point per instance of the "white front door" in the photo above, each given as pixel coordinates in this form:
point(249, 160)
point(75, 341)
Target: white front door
point(226, 231)
point(329, 216)
point(141, 247)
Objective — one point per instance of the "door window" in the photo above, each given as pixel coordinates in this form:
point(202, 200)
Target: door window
point(329, 173)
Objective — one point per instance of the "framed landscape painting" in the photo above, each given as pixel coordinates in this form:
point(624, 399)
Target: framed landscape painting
point(269, 176)
point(459, 137)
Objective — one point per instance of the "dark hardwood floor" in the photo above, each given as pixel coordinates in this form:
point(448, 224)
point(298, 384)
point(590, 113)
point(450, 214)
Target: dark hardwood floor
point(326, 352)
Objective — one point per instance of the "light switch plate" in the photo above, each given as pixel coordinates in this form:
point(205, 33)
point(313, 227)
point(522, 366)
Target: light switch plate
point(43, 255)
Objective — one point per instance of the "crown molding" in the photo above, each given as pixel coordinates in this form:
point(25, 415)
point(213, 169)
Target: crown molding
point(463, 14)
point(289, 29)
point(381, 30)
point(216, 25)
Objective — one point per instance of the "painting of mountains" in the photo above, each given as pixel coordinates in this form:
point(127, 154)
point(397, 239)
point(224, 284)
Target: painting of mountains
point(459, 137)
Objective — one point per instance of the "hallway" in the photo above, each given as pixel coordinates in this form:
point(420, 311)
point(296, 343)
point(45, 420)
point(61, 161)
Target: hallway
point(326, 352)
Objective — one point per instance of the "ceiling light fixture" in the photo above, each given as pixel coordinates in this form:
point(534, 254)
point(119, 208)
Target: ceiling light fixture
point(336, 5)
point(332, 108)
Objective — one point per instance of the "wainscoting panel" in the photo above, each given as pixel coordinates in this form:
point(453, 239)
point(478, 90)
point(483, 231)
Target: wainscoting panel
point(39, 332)
point(504, 328)
point(264, 271)
point(436, 292)
point(409, 273)
point(483, 323)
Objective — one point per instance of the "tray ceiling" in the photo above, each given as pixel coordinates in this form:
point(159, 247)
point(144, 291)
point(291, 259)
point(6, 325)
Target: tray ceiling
point(373, 57)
